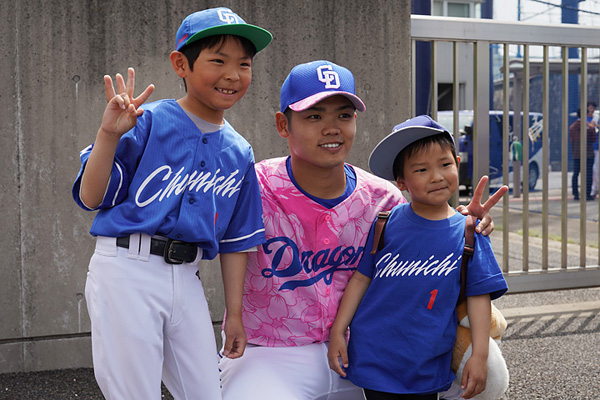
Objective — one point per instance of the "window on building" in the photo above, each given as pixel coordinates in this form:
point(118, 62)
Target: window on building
point(458, 10)
point(462, 9)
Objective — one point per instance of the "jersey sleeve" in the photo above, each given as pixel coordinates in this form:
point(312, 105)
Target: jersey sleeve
point(116, 190)
point(484, 274)
point(246, 228)
point(129, 150)
point(366, 265)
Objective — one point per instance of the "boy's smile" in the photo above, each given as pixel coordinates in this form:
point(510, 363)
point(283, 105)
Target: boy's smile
point(220, 77)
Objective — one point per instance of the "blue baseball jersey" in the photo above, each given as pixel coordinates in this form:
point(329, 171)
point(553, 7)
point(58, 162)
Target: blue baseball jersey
point(171, 179)
point(402, 335)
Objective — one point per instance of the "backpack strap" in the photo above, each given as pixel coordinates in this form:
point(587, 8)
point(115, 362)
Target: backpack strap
point(382, 219)
point(468, 251)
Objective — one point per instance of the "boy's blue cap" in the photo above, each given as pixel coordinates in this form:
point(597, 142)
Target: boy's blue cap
point(309, 83)
point(381, 160)
point(219, 21)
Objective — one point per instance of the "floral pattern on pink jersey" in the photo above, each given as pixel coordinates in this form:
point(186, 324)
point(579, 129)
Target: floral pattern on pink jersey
point(295, 281)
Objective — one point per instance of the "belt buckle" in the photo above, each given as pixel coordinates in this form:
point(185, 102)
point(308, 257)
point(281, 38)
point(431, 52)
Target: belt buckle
point(169, 252)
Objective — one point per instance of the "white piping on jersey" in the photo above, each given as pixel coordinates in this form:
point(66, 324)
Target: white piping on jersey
point(243, 237)
point(88, 149)
point(120, 184)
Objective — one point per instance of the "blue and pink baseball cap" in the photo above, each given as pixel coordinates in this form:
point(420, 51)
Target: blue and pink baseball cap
point(381, 160)
point(219, 21)
point(309, 83)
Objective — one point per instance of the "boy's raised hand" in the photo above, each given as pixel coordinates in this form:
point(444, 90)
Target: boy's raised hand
point(481, 211)
point(122, 109)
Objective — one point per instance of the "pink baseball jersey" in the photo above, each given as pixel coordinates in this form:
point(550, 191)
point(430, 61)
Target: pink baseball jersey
point(295, 282)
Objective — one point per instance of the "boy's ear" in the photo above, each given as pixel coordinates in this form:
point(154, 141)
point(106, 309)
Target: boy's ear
point(401, 184)
point(282, 124)
point(179, 63)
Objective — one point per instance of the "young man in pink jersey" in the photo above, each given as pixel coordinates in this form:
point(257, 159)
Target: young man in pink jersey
point(317, 212)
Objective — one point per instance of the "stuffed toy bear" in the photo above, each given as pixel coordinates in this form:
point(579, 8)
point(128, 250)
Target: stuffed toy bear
point(497, 376)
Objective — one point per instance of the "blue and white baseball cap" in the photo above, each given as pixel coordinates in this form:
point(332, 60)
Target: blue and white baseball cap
point(381, 160)
point(219, 21)
point(309, 83)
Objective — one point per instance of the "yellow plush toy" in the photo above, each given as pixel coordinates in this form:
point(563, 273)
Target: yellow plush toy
point(497, 377)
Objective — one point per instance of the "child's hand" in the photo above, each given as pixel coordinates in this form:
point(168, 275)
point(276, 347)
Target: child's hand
point(235, 338)
point(481, 211)
point(338, 349)
point(474, 376)
point(122, 109)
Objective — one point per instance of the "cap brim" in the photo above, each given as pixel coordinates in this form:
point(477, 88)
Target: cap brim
point(315, 98)
point(381, 160)
point(258, 36)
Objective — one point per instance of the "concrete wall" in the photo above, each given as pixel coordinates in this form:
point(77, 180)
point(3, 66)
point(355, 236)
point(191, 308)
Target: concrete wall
point(53, 57)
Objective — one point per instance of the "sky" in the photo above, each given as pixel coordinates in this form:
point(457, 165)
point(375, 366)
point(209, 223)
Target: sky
point(542, 12)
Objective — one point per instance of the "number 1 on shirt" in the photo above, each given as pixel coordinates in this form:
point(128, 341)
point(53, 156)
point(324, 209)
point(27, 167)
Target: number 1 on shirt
point(432, 299)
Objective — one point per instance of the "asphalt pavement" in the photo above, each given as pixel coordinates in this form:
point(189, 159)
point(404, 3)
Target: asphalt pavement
point(551, 347)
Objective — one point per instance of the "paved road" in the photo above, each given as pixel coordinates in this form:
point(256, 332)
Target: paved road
point(551, 346)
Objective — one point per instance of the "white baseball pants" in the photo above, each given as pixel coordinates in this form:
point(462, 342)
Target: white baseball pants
point(150, 321)
point(284, 373)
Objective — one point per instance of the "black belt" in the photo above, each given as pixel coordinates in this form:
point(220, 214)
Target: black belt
point(173, 251)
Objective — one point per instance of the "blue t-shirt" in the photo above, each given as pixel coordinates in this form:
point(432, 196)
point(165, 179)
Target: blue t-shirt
point(402, 335)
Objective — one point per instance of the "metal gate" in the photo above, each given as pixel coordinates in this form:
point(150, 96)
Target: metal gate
point(544, 239)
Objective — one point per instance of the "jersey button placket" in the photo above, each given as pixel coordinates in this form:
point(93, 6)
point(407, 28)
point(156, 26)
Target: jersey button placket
point(326, 230)
point(326, 238)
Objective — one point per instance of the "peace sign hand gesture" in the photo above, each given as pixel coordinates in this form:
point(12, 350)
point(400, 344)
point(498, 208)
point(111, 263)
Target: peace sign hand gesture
point(123, 109)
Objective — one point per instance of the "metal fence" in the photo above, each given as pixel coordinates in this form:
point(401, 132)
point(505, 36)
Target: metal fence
point(564, 250)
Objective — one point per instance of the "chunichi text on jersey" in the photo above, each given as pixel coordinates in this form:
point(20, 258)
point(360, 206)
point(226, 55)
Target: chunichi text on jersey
point(162, 183)
point(389, 266)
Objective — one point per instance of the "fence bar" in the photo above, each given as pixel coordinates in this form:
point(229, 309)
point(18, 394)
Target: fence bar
point(413, 78)
point(545, 154)
point(583, 158)
point(505, 132)
point(494, 31)
point(564, 157)
point(455, 105)
point(481, 107)
point(525, 136)
point(434, 81)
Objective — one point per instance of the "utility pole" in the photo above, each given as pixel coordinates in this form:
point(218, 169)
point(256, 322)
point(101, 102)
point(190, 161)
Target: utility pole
point(570, 15)
point(519, 20)
point(423, 65)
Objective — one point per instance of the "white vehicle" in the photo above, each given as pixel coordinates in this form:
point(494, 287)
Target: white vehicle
point(465, 146)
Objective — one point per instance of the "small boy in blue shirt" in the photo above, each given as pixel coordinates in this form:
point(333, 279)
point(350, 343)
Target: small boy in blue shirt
point(401, 302)
point(174, 183)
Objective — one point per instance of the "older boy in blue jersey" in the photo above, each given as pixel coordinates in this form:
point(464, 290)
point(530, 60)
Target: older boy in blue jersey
point(174, 183)
point(401, 303)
